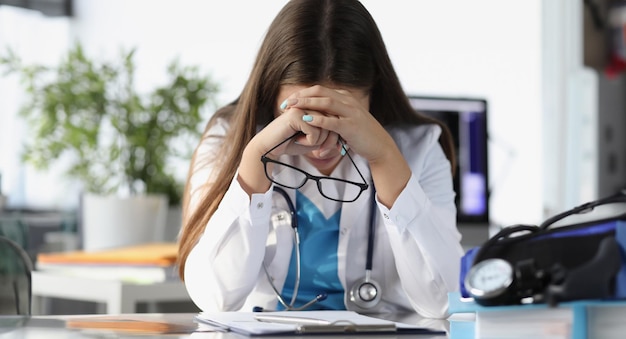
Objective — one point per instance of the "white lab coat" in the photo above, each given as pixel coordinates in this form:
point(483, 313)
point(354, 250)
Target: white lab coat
point(417, 247)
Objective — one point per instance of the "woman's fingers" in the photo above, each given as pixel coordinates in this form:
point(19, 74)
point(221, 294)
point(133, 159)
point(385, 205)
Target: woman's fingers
point(294, 120)
point(331, 143)
point(326, 114)
point(339, 102)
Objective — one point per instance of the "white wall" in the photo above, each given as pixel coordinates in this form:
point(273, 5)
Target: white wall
point(41, 40)
point(220, 36)
point(484, 48)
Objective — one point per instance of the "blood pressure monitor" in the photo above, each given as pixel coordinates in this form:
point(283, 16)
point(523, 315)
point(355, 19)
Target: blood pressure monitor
point(489, 282)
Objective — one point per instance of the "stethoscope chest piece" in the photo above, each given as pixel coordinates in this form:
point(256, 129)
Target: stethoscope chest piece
point(365, 293)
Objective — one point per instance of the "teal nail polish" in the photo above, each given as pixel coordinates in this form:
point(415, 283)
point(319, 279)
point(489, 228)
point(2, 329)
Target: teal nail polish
point(283, 105)
point(343, 150)
point(307, 118)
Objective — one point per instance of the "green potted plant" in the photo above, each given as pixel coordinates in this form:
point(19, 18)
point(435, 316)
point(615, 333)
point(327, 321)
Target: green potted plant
point(90, 116)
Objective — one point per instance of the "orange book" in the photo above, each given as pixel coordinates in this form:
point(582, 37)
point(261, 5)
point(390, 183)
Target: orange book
point(158, 254)
point(132, 324)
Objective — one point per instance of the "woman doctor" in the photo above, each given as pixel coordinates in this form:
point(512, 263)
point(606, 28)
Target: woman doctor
point(320, 187)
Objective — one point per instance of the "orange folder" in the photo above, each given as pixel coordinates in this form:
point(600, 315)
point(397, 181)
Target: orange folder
point(159, 254)
point(131, 324)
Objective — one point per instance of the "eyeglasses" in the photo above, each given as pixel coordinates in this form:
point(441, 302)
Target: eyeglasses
point(330, 188)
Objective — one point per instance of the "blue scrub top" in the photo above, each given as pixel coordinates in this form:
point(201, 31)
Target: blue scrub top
point(319, 238)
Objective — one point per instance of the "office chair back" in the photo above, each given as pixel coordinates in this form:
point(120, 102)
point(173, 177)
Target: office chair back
point(13, 226)
point(15, 278)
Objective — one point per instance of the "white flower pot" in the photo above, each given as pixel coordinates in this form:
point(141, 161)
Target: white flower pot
point(110, 221)
point(173, 224)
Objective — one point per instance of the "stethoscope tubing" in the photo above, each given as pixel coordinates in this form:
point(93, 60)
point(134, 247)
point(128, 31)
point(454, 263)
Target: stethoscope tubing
point(371, 234)
point(294, 225)
point(296, 238)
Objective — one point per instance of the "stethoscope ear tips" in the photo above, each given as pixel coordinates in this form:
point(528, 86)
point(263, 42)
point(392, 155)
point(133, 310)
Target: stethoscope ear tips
point(321, 296)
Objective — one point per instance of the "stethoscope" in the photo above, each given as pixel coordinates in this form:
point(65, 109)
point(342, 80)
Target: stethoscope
point(365, 293)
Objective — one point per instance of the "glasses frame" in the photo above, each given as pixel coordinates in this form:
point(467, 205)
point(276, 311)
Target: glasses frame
point(265, 160)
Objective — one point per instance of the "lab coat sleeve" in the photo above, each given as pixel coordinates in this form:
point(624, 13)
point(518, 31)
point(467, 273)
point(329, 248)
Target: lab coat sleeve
point(222, 268)
point(421, 226)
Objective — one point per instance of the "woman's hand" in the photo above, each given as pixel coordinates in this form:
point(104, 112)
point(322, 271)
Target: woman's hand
point(345, 112)
point(287, 122)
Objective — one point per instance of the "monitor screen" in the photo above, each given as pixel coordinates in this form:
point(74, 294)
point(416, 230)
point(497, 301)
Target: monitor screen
point(467, 120)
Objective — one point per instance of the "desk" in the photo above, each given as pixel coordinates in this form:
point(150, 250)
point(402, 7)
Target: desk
point(54, 327)
point(119, 297)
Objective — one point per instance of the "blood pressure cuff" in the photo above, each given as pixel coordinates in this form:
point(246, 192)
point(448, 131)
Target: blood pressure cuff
point(577, 261)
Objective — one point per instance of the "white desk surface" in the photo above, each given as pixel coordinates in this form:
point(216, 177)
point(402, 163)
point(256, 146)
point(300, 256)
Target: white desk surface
point(52, 327)
point(119, 297)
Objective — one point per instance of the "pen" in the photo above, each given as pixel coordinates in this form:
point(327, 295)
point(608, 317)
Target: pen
point(285, 319)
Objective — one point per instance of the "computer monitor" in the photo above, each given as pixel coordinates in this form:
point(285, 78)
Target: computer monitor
point(467, 120)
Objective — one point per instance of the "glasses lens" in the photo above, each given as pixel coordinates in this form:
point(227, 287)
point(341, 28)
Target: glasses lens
point(340, 190)
point(286, 176)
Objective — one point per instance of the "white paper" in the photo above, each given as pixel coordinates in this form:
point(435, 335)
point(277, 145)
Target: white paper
point(244, 322)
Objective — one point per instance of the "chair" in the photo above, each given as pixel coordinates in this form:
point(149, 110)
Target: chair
point(15, 278)
point(13, 226)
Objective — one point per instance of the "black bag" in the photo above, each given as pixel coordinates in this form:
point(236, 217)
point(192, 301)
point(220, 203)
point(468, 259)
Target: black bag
point(536, 264)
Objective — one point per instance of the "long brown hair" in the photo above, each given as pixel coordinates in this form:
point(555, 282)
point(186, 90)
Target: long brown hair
point(309, 42)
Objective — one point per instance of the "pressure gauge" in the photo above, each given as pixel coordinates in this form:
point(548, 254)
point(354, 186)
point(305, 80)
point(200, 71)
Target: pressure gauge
point(489, 280)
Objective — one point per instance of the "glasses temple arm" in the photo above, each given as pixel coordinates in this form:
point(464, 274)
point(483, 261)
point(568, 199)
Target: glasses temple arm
point(365, 185)
point(282, 142)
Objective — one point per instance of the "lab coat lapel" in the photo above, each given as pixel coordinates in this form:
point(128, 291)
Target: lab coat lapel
point(353, 225)
point(280, 243)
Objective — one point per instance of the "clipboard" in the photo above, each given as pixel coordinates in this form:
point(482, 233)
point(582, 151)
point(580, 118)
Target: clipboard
point(339, 328)
point(307, 322)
